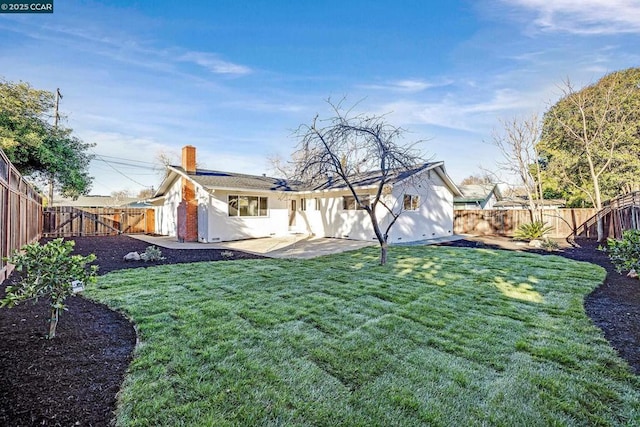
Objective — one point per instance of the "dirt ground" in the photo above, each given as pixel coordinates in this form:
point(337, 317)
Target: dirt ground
point(74, 378)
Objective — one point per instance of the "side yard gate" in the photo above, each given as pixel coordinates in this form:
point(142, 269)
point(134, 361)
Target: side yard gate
point(70, 221)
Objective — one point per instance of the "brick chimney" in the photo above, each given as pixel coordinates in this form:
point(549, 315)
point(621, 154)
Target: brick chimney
point(189, 158)
point(188, 207)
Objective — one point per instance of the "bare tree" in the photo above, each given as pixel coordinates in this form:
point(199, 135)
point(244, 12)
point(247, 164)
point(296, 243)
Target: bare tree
point(279, 167)
point(146, 193)
point(479, 179)
point(517, 142)
point(352, 148)
point(120, 196)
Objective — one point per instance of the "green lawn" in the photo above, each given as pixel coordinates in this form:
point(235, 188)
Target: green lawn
point(439, 336)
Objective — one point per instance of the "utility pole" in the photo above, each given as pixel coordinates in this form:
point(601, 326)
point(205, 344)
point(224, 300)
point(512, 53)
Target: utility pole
point(56, 117)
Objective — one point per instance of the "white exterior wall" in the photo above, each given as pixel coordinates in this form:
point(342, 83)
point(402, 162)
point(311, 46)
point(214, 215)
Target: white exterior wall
point(331, 220)
point(220, 227)
point(491, 202)
point(167, 214)
point(434, 217)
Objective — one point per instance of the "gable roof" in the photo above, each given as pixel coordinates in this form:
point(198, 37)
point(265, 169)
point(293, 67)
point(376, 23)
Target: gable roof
point(212, 180)
point(473, 193)
point(236, 181)
point(372, 178)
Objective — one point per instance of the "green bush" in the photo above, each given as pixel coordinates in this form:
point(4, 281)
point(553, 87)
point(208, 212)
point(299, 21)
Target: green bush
point(625, 253)
point(152, 253)
point(49, 271)
point(550, 245)
point(531, 231)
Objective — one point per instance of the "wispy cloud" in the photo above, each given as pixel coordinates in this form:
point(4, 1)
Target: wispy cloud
point(213, 63)
point(588, 17)
point(124, 48)
point(457, 112)
point(406, 85)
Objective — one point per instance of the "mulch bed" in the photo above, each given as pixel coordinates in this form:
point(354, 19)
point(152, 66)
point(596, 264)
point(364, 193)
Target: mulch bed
point(74, 378)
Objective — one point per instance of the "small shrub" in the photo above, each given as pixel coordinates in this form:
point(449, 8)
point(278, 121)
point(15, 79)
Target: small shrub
point(226, 254)
point(625, 253)
point(531, 231)
point(152, 253)
point(550, 245)
point(49, 271)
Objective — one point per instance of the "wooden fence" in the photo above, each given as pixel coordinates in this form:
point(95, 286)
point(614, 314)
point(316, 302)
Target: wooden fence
point(565, 222)
point(20, 213)
point(69, 221)
point(623, 213)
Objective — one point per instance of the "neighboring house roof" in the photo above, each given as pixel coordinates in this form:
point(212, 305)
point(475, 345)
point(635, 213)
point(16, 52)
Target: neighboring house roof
point(212, 180)
point(96, 201)
point(477, 193)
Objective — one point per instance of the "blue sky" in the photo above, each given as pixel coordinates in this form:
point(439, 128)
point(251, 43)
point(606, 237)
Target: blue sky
point(235, 78)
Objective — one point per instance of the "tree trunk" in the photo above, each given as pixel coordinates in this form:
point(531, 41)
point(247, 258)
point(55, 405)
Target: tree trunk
point(600, 227)
point(384, 246)
point(382, 239)
point(598, 200)
point(53, 323)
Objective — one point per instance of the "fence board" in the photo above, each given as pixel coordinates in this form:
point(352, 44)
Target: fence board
point(69, 221)
point(20, 213)
point(505, 222)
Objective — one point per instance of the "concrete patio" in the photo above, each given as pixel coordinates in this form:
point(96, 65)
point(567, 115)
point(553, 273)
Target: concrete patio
point(301, 246)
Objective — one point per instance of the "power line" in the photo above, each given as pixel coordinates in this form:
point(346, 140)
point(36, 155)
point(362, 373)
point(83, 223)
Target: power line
point(127, 160)
point(124, 175)
point(113, 162)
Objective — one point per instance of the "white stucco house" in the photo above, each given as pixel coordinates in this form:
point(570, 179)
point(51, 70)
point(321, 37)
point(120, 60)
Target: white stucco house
point(212, 206)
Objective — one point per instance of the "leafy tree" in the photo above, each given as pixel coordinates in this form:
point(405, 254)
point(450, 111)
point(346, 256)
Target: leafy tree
point(347, 146)
point(591, 138)
point(48, 271)
point(38, 149)
point(23, 124)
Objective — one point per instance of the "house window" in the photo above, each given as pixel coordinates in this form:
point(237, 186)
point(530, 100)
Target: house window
point(303, 204)
point(349, 202)
point(247, 206)
point(411, 202)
